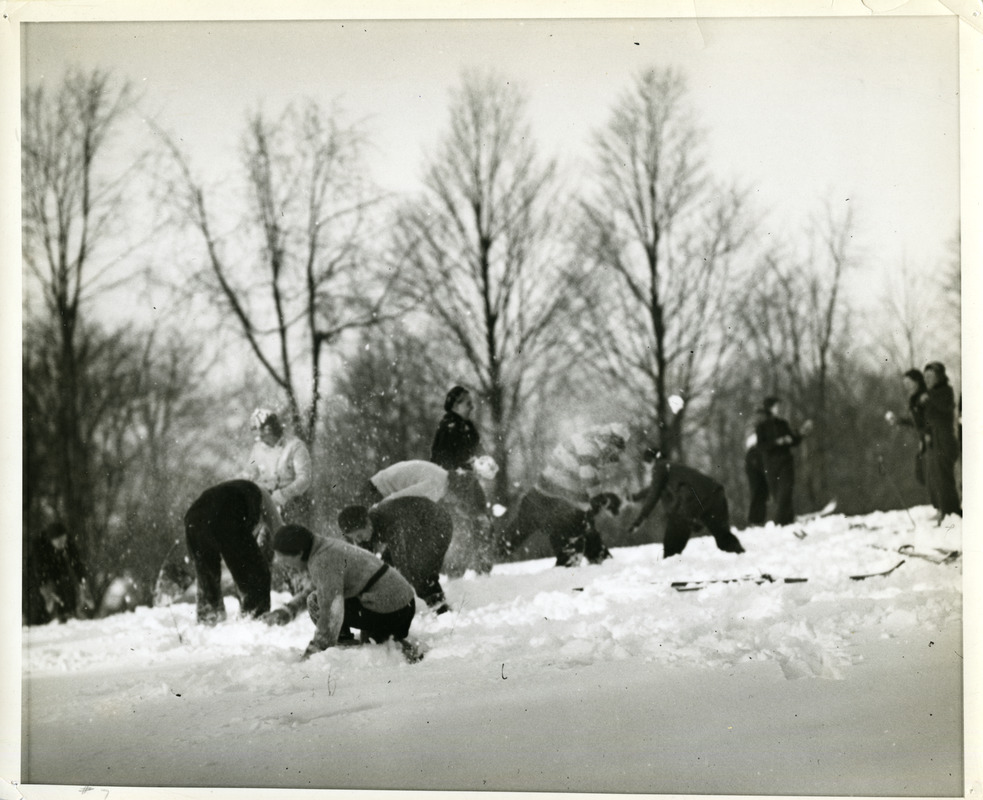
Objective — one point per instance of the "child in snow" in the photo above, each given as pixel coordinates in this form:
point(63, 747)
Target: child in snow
point(350, 588)
point(690, 499)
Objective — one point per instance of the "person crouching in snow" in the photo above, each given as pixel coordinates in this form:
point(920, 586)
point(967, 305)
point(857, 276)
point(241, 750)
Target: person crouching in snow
point(350, 588)
point(232, 521)
point(471, 546)
point(570, 492)
point(410, 533)
point(690, 500)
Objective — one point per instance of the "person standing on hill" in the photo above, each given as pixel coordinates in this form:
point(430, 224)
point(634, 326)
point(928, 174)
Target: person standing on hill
point(754, 468)
point(776, 438)
point(456, 445)
point(281, 464)
point(914, 384)
point(942, 449)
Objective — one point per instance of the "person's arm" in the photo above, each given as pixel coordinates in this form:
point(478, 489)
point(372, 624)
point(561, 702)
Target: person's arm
point(250, 471)
point(287, 612)
point(328, 625)
point(660, 477)
point(300, 460)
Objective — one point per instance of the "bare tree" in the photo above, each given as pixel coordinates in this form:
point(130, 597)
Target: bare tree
point(657, 245)
point(73, 202)
point(292, 269)
point(795, 318)
point(474, 251)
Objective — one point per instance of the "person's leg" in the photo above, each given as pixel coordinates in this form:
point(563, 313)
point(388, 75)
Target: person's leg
point(392, 625)
point(678, 529)
point(568, 537)
point(205, 555)
point(758, 507)
point(784, 489)
point(716, 518)
point(249, 569)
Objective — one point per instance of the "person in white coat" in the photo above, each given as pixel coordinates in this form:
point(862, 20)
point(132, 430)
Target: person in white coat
point(280, 463)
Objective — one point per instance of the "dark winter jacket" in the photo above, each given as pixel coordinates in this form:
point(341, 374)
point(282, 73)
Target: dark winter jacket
point(455, 443)
point(412, 534)
point(938, 405)
point(682, 490)
point(60, 573)
point(776, 439)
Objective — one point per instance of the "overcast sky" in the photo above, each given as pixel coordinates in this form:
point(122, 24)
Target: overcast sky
point(798, 110)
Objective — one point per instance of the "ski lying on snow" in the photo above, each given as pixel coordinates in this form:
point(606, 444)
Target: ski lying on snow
point(937, 555)
point(695, 586)
point(826, 510)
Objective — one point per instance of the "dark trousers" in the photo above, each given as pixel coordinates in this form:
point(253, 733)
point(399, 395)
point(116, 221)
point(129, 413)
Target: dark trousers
point(219, 525)
point(780, 473)
point(940, 472)
point(686, 512)
point(758, 486)
point(373, 625)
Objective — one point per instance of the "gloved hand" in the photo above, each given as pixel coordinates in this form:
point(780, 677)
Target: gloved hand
point(278, 616)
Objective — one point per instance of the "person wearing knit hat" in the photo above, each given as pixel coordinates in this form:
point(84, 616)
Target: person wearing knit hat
point(411, 534)
point(942, 450)
point(579, 482)
point(348, 588)
point(281, 464)
point(776, 438)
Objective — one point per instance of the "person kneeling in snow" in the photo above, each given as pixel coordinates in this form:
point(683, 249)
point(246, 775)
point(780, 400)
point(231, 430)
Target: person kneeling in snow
point(690, 499)
point(350, 588)
point(569, 494)
point(410, 533)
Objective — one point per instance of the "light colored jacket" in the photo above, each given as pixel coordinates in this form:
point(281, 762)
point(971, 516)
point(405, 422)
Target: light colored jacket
point(284, 469)
point(339, 570)
point(411, 479)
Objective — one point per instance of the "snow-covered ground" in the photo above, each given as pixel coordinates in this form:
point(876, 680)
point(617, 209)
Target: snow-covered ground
point(593, 679)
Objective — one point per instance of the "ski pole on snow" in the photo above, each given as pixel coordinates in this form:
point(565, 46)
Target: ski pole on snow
point(883, 471)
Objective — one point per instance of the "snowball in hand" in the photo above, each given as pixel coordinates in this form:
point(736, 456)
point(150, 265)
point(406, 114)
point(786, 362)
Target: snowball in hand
point(485, 467)
point(676, 403)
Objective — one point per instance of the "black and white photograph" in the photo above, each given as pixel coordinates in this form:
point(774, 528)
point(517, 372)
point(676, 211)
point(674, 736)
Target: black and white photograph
point(512, 400)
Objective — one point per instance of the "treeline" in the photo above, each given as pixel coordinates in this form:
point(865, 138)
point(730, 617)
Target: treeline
point(301, 284)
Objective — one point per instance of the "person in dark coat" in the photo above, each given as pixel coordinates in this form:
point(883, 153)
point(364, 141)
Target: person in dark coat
point(914, 384)
point(456, 445)
point(232, 521)
point(411, 534)
point(942, 450)
point(691, 500)
point(776, 440)
point(456, 442)
point(754, 468)
point(58, 581)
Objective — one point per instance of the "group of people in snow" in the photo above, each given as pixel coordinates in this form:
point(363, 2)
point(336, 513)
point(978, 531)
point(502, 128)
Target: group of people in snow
point(932, 413)
point(414, 520)
point(398, 533)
